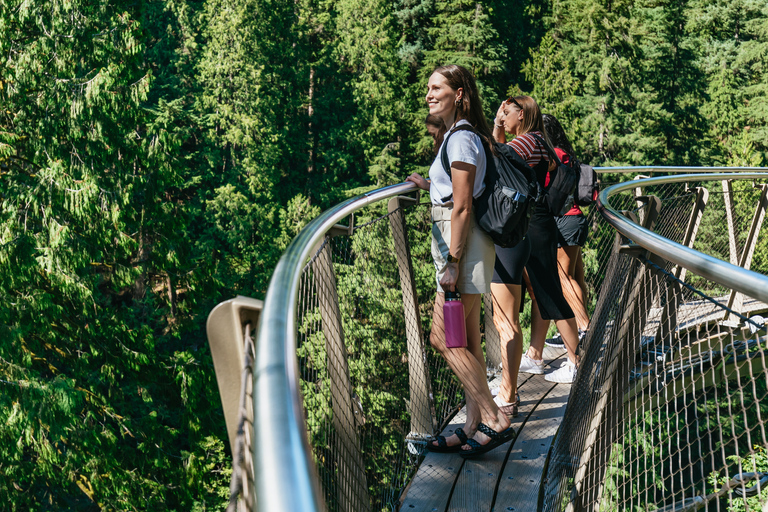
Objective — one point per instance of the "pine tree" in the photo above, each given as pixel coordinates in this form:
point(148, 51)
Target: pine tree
point(102, 403)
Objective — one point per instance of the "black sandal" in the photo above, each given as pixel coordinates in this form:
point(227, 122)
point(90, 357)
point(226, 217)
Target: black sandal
point(442, 444)
point(497, 439)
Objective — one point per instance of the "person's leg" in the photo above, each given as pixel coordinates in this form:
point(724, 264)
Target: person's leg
point(570, 333)
point(470, 372)
point(567, 256)
point(506, 318)
point(539, 328)
point(579, 276)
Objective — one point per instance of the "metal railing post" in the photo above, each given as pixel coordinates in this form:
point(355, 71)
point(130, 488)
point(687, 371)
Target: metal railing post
point(423, 422)
point(351, 486)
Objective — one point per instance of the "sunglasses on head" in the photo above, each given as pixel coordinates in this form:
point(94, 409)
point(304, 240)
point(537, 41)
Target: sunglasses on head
point(512, 99)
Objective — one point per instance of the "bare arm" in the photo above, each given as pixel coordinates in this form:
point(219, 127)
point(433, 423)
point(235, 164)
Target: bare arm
point(463, 179)
point(499, 134)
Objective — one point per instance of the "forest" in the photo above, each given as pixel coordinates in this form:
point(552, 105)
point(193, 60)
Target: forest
point(156, 158)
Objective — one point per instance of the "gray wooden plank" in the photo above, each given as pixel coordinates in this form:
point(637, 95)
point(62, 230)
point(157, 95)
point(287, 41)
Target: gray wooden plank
point(477, 480)
point(521, 479)
point(432, 485)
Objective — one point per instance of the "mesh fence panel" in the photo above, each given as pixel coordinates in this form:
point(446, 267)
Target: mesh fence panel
point(354, 342)
point(668, 401)
point(667, 412)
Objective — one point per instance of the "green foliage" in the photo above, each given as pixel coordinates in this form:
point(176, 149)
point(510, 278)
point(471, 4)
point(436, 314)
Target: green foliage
point(755, 461)
point(158, 157)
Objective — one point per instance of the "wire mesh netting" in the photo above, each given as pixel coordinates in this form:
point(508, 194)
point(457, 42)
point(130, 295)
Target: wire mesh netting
point(667, 412)
point(668, 408)
point(361, 338)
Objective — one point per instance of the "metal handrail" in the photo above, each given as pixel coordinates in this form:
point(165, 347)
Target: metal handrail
point(747, 282)
point(675, 169)
point(281, 447)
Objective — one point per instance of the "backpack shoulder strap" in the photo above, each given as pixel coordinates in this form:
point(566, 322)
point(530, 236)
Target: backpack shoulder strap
point(444, 151)
point(550, 151)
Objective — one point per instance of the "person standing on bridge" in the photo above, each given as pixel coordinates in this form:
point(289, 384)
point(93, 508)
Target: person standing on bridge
point(572, 231)
point(533, 260)
point(462, 252)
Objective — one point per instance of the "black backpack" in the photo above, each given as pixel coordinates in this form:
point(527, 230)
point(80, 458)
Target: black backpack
point(558, 197)
point(504, 208)
point(586, 191)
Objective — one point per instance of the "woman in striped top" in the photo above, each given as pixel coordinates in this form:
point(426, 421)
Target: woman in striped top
point(533, 260)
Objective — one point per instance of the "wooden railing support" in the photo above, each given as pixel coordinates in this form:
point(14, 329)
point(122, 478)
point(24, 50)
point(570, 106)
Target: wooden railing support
point(420, 405)
point(352, 488)
point(736, 299)
point(694, 221)
point(492, 338)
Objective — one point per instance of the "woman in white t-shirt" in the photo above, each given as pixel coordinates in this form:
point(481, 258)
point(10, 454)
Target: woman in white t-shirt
point(464, 254)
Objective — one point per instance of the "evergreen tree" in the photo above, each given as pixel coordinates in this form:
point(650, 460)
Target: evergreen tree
point(102, 404)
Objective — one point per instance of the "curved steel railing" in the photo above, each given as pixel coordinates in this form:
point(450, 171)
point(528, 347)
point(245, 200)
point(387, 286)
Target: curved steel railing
point(285, 474)
point(281, 448)
point(737, 278)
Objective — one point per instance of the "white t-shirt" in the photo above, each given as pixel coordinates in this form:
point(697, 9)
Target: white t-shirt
point(463, 146)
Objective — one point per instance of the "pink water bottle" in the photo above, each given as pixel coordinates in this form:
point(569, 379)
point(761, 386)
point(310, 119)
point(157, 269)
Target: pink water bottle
point(453, 316)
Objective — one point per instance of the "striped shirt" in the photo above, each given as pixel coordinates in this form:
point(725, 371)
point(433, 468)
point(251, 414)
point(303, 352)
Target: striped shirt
point(528, 147)
point(532, 151)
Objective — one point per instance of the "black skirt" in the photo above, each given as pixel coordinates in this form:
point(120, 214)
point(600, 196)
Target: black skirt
point(542, 267)
point(510, 262)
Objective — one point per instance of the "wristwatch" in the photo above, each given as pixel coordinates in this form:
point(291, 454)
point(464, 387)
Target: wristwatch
point(452, 259)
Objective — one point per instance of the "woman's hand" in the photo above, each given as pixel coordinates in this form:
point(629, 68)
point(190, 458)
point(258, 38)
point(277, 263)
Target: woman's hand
point(450, 277)
point(499, 120)
point(418, 180)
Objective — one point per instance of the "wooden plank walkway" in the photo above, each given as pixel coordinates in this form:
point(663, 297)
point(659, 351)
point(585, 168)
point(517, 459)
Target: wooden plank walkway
point(507, 478)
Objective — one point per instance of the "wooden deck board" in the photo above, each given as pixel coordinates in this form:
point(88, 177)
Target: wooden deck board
point(446, 476)
point(477, 481)
point(521, 479)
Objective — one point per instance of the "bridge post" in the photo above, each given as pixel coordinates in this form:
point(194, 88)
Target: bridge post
point(694, 221)
point(351, 484)
point(423, 423)
point(736, 299)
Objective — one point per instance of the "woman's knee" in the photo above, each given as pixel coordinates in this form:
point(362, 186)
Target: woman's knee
point(437, 341)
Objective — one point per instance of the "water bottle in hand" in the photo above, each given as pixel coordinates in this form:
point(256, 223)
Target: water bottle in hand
point(453, 315)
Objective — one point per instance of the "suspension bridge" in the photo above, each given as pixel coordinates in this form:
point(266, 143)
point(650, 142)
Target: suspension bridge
point(330, 392)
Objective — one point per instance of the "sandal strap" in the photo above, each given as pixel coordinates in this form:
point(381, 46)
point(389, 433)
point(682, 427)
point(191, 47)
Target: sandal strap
point(485, 429)
point(473, 444)
point(441, 442)
point(461, 435)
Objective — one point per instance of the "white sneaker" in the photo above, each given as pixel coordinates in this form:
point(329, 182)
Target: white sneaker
point(564, 375)
point(528, 365)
